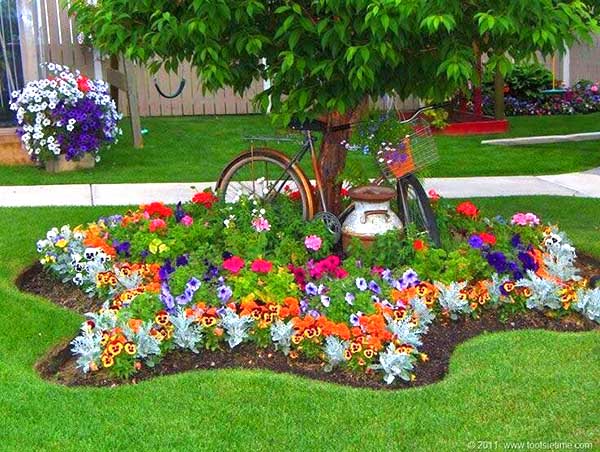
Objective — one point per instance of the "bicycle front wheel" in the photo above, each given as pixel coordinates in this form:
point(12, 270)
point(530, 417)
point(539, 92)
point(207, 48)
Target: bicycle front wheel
point(266, 174)
point(415, 209)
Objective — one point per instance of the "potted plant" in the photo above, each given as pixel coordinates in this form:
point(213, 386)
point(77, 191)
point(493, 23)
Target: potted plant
point(66, 119)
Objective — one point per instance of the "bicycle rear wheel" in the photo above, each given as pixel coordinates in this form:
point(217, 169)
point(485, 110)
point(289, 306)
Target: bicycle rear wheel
point(266, 174)
point(415, 209)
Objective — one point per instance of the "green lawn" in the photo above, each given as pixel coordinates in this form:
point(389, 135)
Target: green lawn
point(195, 149)
point(505, 387)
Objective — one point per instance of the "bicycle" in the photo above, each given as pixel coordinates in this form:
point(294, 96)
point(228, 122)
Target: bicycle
point(267, 173)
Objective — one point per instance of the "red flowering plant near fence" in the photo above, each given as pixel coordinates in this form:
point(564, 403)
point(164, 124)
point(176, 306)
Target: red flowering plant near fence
point(206, 274)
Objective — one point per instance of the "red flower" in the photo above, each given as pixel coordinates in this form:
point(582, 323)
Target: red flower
point(234, 264)
point(490, 239)
point(433, 195)
point(419, 245)
point(158, 208)
point(261, 266)
point(157, 224)
point(468, 209)
point(83, 83)
point(206, 198)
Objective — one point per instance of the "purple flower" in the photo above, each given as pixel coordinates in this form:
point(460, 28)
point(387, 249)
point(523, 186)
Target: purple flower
point(515, 241)
point(182, 260)
point(122, 248)
point(164, 273)
point(179, 212)
point(303, 305)
point(224, 293)
point(355, 319)
point(475, 241)
point(497, 259)
point(311, 289)
point(528, 261)
point(314, 313)
point(350, 298)
point(166, 298)
point(211, 272)
point(361, 284)
point(325, 300)
point(374, 287)
point(193, 283)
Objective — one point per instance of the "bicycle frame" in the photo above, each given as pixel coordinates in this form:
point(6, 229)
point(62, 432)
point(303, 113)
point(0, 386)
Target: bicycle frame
point(307, 146)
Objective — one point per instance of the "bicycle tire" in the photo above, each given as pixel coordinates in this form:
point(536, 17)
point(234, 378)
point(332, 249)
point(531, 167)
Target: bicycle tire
point(274, 157)
point(403, 186)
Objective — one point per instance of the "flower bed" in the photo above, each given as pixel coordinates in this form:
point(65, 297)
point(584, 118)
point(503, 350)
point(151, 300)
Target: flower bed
point(208, 275)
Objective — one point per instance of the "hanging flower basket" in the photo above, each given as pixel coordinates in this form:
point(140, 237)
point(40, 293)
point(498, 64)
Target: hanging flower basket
point(65, 120)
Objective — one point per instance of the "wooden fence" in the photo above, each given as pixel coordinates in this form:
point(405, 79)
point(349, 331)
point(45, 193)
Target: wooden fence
point(60, 45)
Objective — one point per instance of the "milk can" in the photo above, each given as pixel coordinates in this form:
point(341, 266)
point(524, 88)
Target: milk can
point(372, 214)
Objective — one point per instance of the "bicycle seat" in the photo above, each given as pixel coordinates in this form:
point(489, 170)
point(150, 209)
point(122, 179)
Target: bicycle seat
point(313, 125)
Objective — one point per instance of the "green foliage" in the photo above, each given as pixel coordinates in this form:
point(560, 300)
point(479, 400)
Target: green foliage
point(390, 250)
point(525, 81)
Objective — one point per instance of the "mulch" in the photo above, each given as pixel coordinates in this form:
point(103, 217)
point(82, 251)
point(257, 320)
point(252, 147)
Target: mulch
point(439, 342)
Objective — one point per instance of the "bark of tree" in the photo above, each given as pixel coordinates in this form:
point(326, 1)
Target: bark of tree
point(477, 82)
point(332, 159)
point(499, 94)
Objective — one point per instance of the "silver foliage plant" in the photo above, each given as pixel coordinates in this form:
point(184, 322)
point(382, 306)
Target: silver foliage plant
point(394, 364)
point(148, 346)
point(560, 257)
point(281, 335)
point(187, 334)
point(588, 303)
point(425, 315)
point(404, 331)
point(87, 346)
point(335, 349)
point(544, 292)
point(235, 326)
point(452, 300)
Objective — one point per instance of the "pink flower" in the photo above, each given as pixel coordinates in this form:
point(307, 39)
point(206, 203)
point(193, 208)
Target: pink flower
point(594, 88)
point(234, 264)
point(157, 224)
point(525, 219)
point(186, 220)
point(313, 242)
point(433, 195)
point(261, 266)
point(261, 224)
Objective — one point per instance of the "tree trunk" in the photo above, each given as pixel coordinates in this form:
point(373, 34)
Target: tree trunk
point(332, 159)
point(499, 94)
point(477, 82)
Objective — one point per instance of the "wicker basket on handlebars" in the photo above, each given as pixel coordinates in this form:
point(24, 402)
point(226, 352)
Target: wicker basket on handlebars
point(409, 154)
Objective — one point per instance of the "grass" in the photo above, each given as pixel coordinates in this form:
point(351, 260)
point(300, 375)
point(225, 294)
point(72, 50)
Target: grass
point(505, 387)
point(195, 149)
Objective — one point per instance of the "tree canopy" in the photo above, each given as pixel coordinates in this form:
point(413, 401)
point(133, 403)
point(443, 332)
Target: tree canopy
point(325, 57)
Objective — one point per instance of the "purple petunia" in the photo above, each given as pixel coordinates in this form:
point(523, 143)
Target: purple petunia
point(164, 273)
point(497, 259)
point(224, 293)
point(475, 241)
point(311, 289)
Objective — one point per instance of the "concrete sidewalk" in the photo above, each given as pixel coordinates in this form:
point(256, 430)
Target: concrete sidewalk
point(584, 184)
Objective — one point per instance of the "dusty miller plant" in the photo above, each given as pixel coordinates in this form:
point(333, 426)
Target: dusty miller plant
point(451, 299)
point(588, 303)
point(334, 351)
point(87, 346)
point(281, 335)
point(544, 292)
point(187, 334)
point(235, 326)
point(394, 364)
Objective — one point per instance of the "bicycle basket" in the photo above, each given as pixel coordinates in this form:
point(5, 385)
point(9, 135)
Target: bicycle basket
point(411, 153)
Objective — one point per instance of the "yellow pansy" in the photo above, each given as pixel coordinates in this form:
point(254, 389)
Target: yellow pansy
point(157, 246)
